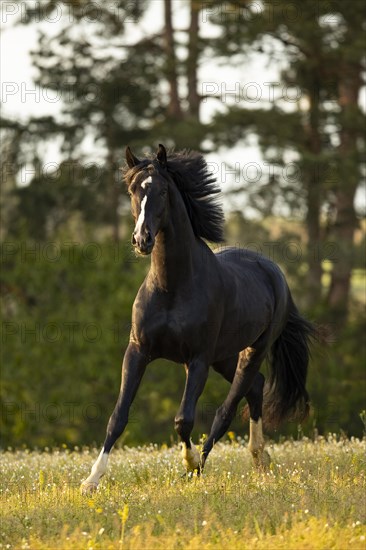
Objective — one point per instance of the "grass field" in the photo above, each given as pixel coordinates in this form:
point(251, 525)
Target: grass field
point(312, 497)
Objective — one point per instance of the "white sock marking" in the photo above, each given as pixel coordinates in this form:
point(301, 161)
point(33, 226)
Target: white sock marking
point(256, 439)
point(99, 468)
point(261, 458)
point(191, 457)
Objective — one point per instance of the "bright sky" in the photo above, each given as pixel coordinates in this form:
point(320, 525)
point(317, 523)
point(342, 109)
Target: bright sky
point(247, 83)
point(21, 99)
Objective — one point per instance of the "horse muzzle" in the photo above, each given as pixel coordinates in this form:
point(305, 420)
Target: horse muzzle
point(143, 242)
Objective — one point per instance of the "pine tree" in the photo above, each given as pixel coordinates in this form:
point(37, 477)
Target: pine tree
point(111, 89)
point(323, 50)
point(350, 119)
point(107, 87)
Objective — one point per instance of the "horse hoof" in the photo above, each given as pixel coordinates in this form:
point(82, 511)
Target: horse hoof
point(191, 458)
point(266, 460)
point(88, 487)
point(262, 461)
point(189, 475)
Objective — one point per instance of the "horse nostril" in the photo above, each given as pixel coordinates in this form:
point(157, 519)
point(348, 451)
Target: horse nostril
point(149, 239)
point(133, 240)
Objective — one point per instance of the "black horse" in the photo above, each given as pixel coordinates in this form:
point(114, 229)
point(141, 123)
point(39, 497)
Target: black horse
point(228, 310)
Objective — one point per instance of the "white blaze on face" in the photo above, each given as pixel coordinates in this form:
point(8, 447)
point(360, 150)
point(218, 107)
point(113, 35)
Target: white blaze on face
point(148, 180)
point(141, 217)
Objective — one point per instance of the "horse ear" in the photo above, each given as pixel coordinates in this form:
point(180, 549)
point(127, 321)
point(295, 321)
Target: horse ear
point(161, 155)
point(131, 159)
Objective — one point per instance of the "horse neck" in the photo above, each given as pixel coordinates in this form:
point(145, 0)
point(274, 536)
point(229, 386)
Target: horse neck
point(176, 248)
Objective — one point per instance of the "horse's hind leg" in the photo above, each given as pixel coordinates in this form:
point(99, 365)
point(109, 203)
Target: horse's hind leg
point(254, 397)
point(247, 369)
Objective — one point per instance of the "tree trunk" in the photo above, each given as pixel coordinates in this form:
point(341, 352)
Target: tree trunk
point(192, 60)
point(174, 108)
point(111, 167)
point(314, 187)
point(346, 221)
point(112, 185)
point(343, 231)
point(314, 278)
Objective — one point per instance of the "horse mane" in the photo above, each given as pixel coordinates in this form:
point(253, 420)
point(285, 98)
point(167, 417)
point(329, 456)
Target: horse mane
point(199, 190)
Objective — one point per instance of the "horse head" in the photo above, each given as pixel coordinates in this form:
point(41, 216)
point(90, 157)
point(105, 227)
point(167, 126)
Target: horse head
point(147, 182)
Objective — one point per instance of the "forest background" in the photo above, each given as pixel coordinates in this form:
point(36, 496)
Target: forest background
point(271, 93)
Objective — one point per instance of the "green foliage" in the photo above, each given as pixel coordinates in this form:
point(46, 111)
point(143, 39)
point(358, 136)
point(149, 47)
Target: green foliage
point(66, 321)
point(317, 128)
point(71, 191)
point(60, 381)
point(337, 380)
point(66, 317)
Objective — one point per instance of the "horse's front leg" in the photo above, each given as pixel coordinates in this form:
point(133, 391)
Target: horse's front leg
point(133, 368)
point(197, 372)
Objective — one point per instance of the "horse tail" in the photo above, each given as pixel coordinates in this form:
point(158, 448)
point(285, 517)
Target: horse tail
point(285, 395)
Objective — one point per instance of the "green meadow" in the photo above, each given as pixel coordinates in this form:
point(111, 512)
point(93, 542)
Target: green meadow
point(312, 497)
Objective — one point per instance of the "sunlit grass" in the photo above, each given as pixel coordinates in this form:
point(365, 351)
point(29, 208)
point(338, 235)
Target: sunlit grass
point(312, 497)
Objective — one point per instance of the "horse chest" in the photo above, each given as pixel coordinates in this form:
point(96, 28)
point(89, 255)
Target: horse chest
point(172, 327)
point(169, 333)
point(171, 340)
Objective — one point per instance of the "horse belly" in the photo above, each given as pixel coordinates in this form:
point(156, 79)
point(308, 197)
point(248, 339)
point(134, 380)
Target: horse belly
point(241, 328)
